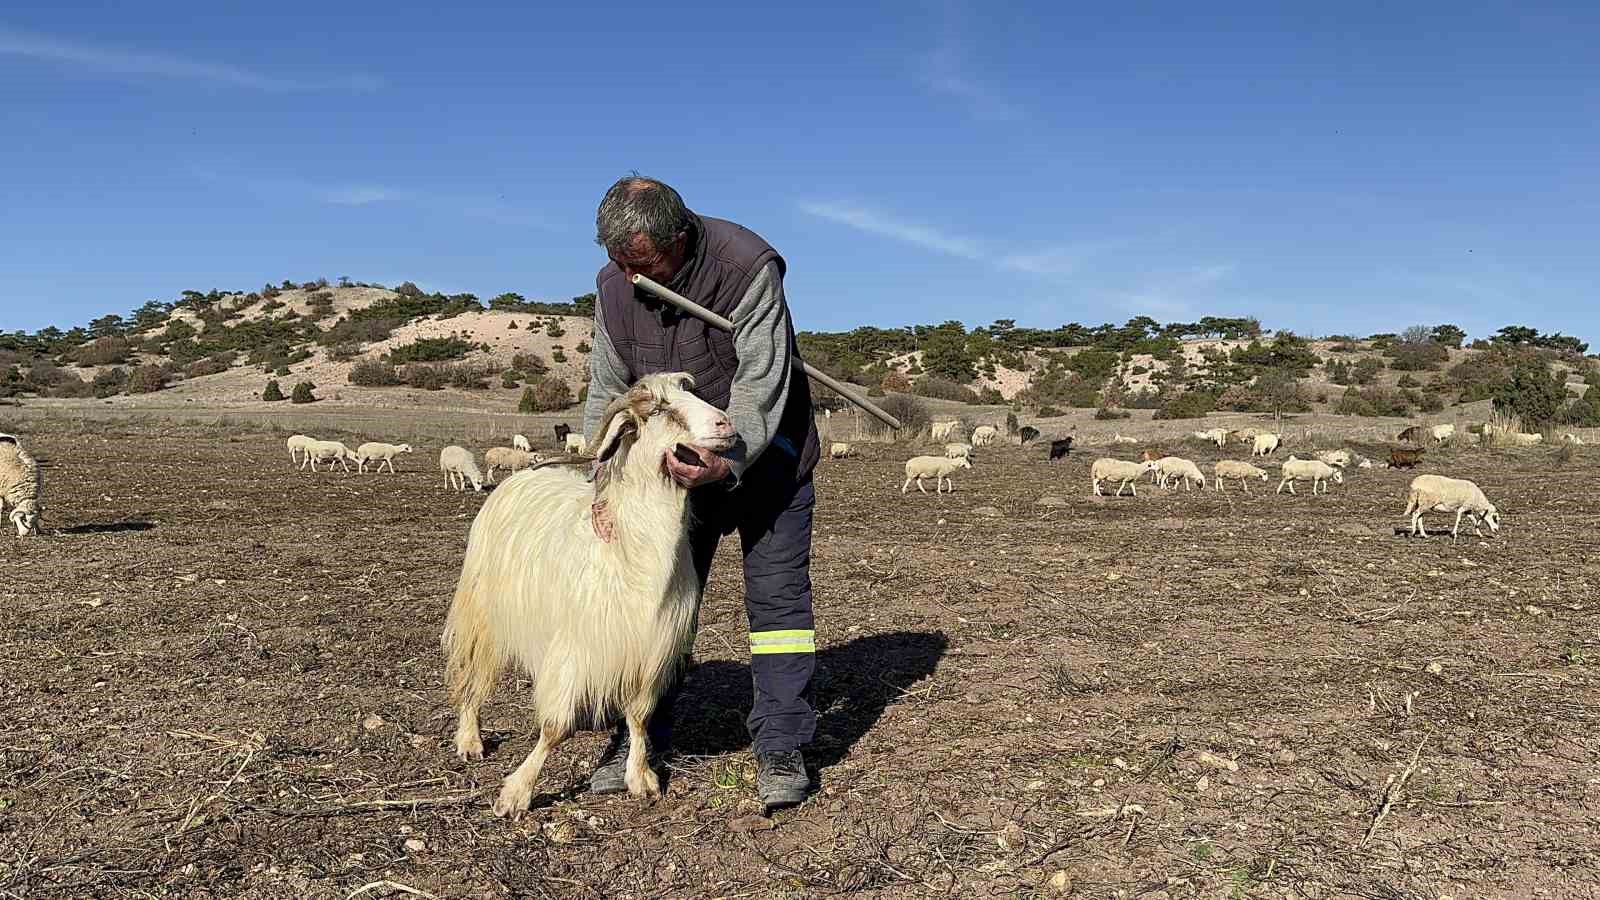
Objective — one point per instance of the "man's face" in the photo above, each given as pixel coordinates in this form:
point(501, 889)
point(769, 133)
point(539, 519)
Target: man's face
point(641, 257)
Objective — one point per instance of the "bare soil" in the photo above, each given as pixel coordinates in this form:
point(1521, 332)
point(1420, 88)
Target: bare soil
point(222, 678)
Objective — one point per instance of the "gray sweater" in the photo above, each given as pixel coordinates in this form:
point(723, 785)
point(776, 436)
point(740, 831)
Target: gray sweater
point(760, 384)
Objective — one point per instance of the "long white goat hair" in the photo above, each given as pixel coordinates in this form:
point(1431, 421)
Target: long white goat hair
point(601, 626)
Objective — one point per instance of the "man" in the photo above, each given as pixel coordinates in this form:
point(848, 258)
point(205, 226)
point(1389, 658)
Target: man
point(762, 489)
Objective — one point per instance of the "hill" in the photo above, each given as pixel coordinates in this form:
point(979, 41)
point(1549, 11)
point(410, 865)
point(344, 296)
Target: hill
point(374, 346)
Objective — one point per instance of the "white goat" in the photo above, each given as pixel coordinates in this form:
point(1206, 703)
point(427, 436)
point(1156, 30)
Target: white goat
point(1314, 471)
point(840, 450)
point(1238, 470)
point(1172, 468)
point(1436, 493)
point(1119, 470)
point(328, 452)
point(299, 444)
point(507, 458)
point(21, 486)
point(941, 431)
point(600, 626)
point(961, 451)
point(1442, 433)
point(936, 467)
point(459, 468)
point(1339, 459)
point(1265, 444)
point(520, 442)
point(576, 443)
point(384, 454)
point(984, 435)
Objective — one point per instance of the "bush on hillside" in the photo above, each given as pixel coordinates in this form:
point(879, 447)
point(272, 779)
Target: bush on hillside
point(913, 415)
point(106, 351)
point(1418, 356)
point(273, 393)
point(344, 352)
point(374, 373)
point(427, 378)
point(431, 350)
point(466, 378)
point(943, 389)
point(895, 381)
point(510, 378)
point(548, 395)
point(303, 393)
point(1188, 405)
point(991, 397)
point(558, 356)
point(211, 365)
point(1372, 401)
point(1106, 413)
point(1049, 412)
point(529, 363)
point(1533, 393)
point(146, 380)
point(110, 381)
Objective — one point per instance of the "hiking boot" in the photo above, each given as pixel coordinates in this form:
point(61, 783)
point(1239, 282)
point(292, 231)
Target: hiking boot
point(610, 774)
point(781, 778)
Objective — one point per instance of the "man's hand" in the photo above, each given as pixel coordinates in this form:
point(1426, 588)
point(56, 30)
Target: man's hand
point(711, 468)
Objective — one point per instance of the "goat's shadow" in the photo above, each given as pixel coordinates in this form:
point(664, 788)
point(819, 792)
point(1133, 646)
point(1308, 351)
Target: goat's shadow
point(855, 682)
point(106, 527)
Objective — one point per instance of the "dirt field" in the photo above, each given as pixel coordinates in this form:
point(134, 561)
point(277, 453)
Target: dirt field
point(222, 678)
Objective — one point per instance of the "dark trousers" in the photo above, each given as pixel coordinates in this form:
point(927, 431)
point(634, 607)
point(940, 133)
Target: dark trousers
point(772, 514)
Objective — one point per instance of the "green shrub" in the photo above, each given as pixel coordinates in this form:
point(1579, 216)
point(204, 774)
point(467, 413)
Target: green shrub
point(1188, 405)
point(1418, 356)
point(427, 378)
point(211, 365)
point(1049, 412)
point(106, 351)
point(1366, 370)
point(1372, 401)
point(146, 380)
point(303, 393)
point(558, 356)
point(990, 396)
point(510, 378)
point(110, 381)
point(529, 363)
point(282, 371)
point(1106, 413)
point(431, 350)
point(554, 329)
point(344, 351)
point(942, 389)
point(466, 378)
point(583, 347)
point(895, 381)
point(548, 395)
point(913, 415)
point(374, 373)
point(273, 393)
point(1533, 393)
point(1406, 381)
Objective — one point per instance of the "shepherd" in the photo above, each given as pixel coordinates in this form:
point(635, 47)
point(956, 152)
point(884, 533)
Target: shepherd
point(761, 488)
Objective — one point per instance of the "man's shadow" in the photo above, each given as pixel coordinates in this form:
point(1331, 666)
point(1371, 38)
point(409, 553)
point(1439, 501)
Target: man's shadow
point(855, 682)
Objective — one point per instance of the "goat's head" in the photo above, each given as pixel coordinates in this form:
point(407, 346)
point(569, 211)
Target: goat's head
point(26, 518)
point(657, 415)
point(1491, 517)
point(403, 448)
point(1338, 476)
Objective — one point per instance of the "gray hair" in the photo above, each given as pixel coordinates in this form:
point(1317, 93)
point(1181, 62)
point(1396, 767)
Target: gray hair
point(639, 205)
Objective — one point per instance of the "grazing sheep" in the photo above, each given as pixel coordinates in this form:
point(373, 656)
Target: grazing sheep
point(1339, 459)
point(459, 468)
point(1400, 458)
point(328, 452)
point(21, 486)
point(952, 451)
point(1218, 436)
point(601, 626)
point(840, 450)
point(984, 435)
point(1416, 434)
point(562, 431)
point(1266, 444)
point(936, 467)
point(1361, 461)
point(1060, 448)
point(299, 444)
point(1517, 439)
point(1318, 473)
point(941, 431)
point(507, 458)
point(1172, 468)
point(1238, 470)
point(1442, 433)
point(1243, 435)
point(576, 444)
point(383, 453)
point(1120, 438)
point(1435, 493)
point(1570, 438)
point(1027, 435)
point(1119, 470)
point(520, 442)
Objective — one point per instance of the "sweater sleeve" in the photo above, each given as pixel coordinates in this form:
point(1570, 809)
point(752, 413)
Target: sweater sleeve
point(761, 379)
point(608, 377)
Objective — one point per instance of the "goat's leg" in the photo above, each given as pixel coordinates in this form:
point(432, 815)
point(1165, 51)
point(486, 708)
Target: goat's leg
point(518, 787)
point(642, 781)
point(919, 485)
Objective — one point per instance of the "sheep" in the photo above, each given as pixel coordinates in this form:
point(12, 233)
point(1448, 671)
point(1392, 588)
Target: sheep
point(1060, 448)
point(1416, 434)
point(984, 435)
point(1339, 459)
point(576, 444)
point(459, 468)
point(21, 486)
point(1119, 470)
point(1311, 470)
point(562, 431)
point(953, 451)
point(1405, 459)
point(1172, 468)
point(1573, 439)
point(1442, 433)
point(942, 431)
point(1237, 469)
point(507, 458)
point(1435, 493)
point(600, 625)
point(298, 444)
point(936, 467)
point(1243, 435)
point(383, 453)
point(840, 450)
point(520, 442)
point(1218, 436)
point(1120, 438)
point(328, 452)
point(1027, 435)
point(1265, 444)
point(1516, 439)
point(1361, 461)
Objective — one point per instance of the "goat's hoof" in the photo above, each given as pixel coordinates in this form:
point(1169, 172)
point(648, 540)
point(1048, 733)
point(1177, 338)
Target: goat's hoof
point(646, 786)
point(513, 800)
point(469, 750)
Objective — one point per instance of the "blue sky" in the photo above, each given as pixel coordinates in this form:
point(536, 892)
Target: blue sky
point(1350, 167)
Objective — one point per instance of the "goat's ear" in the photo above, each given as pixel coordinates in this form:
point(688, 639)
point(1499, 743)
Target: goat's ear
point(621, 427)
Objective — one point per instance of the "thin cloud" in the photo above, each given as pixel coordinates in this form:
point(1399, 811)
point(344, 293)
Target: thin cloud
point(356, 195)
point(944, 71)
point(497, 210)
point(917, 234)
point(116, 61)
point(1175, 295)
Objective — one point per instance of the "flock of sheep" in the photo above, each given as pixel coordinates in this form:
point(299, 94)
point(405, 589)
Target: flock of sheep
point(459, 466)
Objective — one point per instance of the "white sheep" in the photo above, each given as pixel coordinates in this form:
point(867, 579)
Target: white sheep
point(1521, 440)
point(507, 458)
point(299, 444)
point(1436, 493)
point(1171, 468)
point(954, 451)
point(1218, 436)
point(459, 468)
point(1573, 439)
point(1120, 438)
point(576, 443)
point(1119, 470)
point(21, 486)
point(984, 435)
point(1238, 470)
point(935, 467)
point(520, 442)
point(328, 452)
point(1265, 444)
point(1339, 459)
point(840, 450)
point(1314, 471)
point(1442, 433)
point(383, 454)
point(601, 626)
point(941, 431)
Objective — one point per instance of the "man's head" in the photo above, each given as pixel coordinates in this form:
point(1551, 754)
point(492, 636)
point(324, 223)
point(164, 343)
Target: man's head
point(644, 227)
